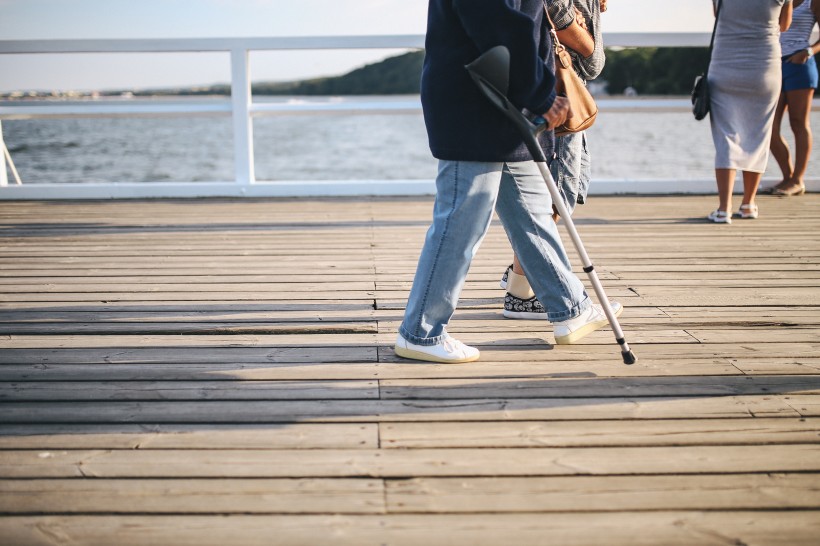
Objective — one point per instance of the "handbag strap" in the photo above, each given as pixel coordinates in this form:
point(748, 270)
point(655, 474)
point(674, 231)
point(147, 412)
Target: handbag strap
point(714, 31)
point(557, 45)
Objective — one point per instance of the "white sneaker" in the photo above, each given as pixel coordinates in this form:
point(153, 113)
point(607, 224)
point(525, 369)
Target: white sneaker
point(449, 351)
point(572, 330)
point(719, 217)
point(747, 212)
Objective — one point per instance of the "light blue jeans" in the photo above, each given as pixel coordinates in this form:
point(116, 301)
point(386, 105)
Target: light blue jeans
point(467, 192)
point(572, 168)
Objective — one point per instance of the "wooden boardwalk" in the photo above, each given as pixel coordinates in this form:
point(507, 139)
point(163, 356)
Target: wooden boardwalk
point(221, 372)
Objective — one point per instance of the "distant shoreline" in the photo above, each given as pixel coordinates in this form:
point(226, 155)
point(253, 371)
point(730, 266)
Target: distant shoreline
point(318, 98)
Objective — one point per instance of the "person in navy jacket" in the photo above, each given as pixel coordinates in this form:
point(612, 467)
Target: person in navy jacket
point(484, 165)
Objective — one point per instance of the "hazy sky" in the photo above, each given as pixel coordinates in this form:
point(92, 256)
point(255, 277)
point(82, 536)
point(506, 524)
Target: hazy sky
point(65, 19)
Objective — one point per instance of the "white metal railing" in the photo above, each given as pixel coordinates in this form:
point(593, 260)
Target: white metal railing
point(241, 108)
point(5, 156)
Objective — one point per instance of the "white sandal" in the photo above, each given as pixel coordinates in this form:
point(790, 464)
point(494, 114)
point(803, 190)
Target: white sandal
point(719, 217)
point(748, 211)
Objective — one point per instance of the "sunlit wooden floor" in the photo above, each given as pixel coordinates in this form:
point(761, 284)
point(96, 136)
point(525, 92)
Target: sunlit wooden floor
point(222, 372)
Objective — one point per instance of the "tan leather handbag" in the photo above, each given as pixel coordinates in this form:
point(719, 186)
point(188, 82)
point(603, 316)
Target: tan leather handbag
point(570, 85)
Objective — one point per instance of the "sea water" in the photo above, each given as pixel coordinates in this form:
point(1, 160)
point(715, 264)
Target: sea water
point(632, 145)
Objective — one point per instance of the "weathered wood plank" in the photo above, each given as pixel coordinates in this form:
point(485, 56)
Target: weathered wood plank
point(599, 388)
point(182, 288)
point(677, 432)
point(199, 328)
point(665, 296)
point(606, 352)
point(225, 389)
point(776, 366)
point(159, 340)
point(772, 317)
point(550, 358)
point(170, 313)
point(68, 275)
point(425, 495)
point(199, 296)
point(637, 318)
point(807, 406)
point(675, 528)
point(445, 389)
point(609, 493)
point(216, 308)
point(205, 437)
point(516, 409)
point(167, 371)
point(231, 496)
point(194, 354)
point(404, 463)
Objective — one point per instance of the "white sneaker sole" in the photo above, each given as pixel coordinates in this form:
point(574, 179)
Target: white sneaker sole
point(586, 329)
point(524, 315)
point(419, 355)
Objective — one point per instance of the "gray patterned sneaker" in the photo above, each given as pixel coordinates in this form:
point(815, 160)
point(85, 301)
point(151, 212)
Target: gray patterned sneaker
point(505, 277)
point(516, 308)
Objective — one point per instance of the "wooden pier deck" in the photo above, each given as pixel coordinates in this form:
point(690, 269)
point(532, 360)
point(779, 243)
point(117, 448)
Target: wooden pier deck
point(221, 372)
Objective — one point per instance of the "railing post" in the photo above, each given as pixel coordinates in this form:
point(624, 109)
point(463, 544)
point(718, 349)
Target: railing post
point(4, 177)
point(244, 174)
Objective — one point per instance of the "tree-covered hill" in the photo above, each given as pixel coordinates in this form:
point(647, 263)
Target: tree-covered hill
point(397, 75)
point(655, 70)
point(393, 76)
point(648, 70)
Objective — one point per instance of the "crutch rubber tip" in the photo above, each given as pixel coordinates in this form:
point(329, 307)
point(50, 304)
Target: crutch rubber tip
point(629, 357)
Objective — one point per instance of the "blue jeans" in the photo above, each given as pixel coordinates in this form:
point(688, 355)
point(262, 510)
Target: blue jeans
point(571, 168)
point(466, 194)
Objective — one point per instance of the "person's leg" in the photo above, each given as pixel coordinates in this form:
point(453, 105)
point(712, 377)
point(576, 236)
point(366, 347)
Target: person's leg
point(517, 284)
point(570, 170)
point(751, 181)
point(517, 266)
point(520, 301)
point(748, 207)
point(525, 209)
point(778, 146)
point(585, 173)
point(725, 184)
point(800, 102)
point(566, 168)
point(465, 197)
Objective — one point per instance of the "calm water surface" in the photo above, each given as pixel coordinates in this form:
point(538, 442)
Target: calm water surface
point(337, 147)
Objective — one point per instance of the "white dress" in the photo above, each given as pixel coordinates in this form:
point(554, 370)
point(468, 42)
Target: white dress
point(744, 82)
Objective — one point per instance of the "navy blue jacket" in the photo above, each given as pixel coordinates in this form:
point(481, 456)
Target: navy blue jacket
point(462, 124)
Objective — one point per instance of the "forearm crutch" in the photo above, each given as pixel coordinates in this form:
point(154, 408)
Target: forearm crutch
point(491, 73)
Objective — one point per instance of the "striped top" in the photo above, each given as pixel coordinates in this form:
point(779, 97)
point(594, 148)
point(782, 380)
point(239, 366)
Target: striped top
point(799, 33)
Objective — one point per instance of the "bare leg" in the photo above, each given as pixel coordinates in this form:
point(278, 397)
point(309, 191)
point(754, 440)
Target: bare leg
point(751, 181)
point(725, 184)
point(799, 108)
point(517, 266)
point(779, 146)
